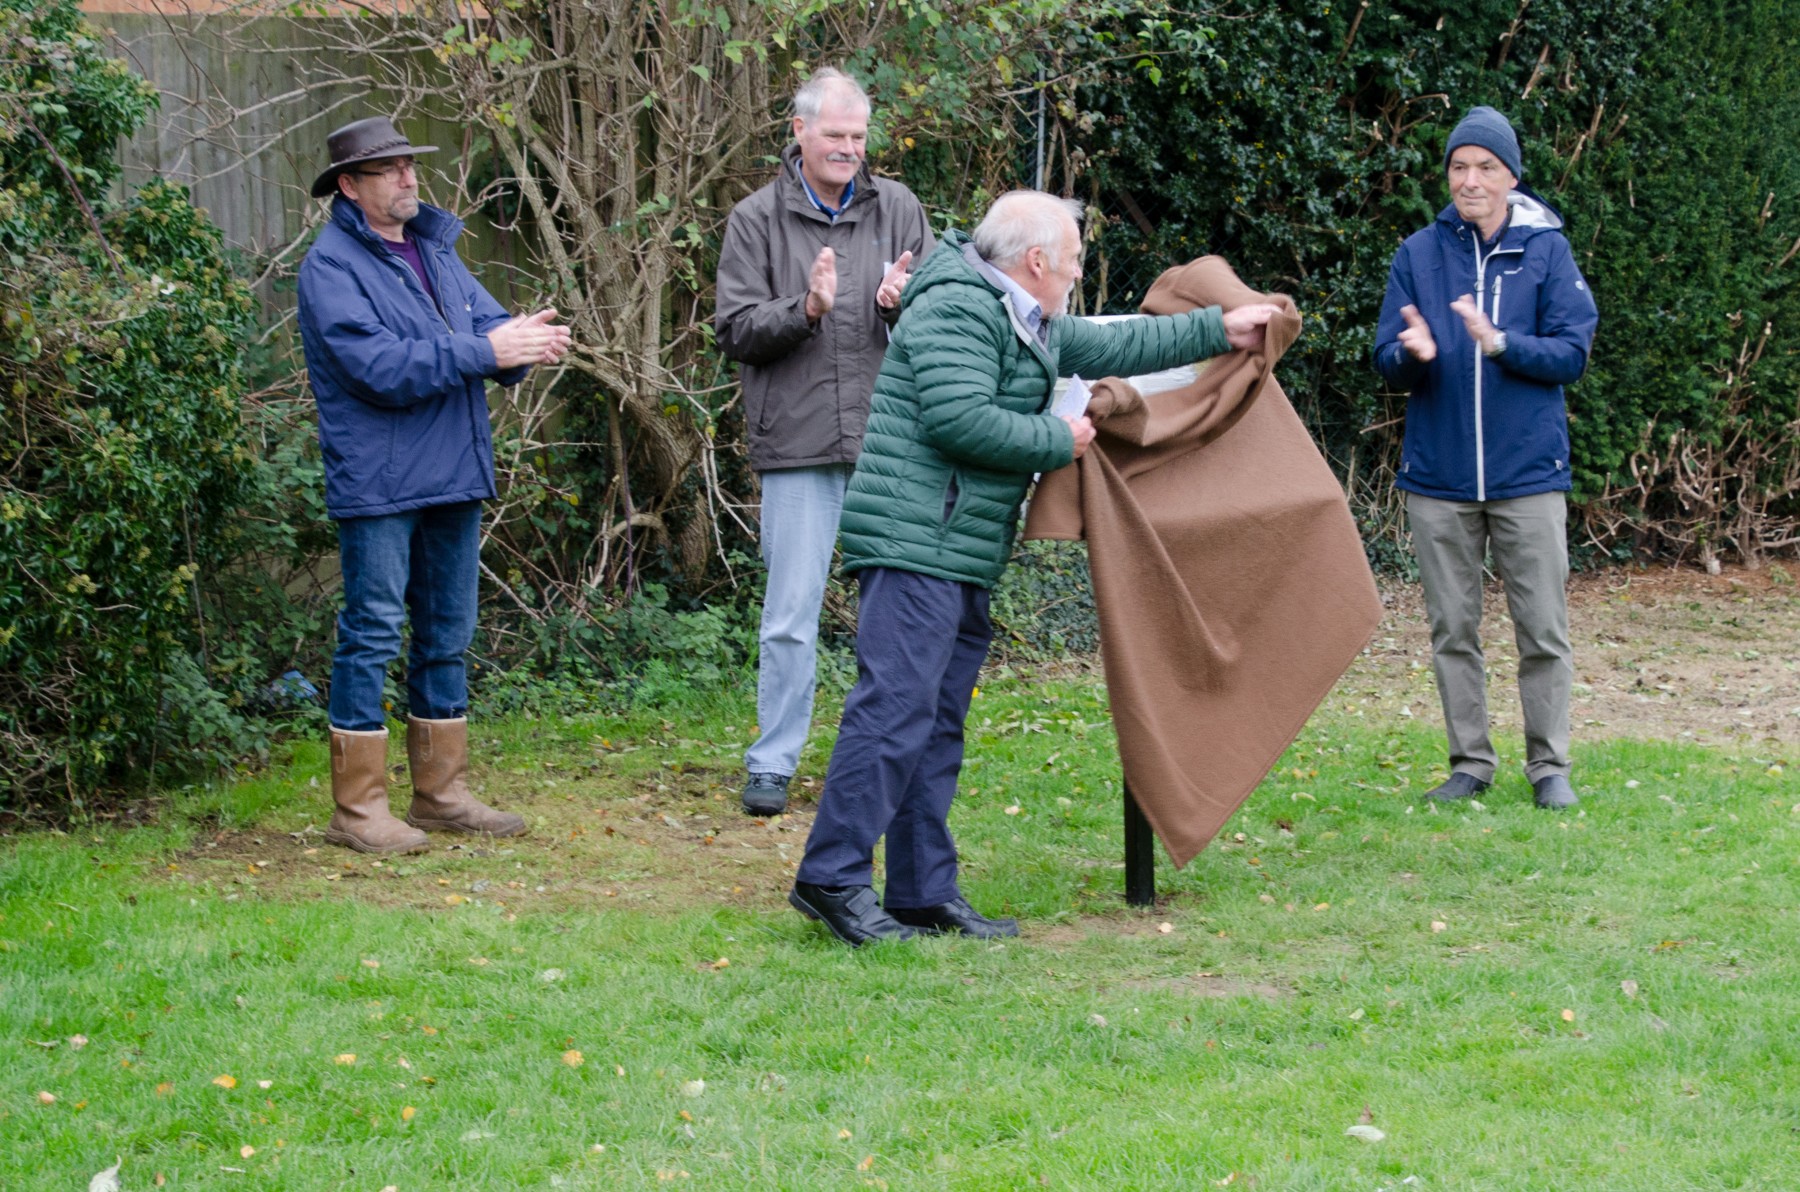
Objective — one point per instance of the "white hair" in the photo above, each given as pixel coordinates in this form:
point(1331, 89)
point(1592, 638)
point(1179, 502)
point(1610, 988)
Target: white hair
point(1021, 220)
point(809, 101)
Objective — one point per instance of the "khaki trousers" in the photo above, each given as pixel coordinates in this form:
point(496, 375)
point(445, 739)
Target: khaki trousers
point(1529, 541)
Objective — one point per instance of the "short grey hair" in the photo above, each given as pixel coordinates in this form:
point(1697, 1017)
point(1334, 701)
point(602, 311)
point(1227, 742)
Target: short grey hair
point(809, 101)
point(1021, 220)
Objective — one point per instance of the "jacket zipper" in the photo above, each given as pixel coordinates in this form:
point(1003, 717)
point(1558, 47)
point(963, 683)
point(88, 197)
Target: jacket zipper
point(1481, 289)
point(1480, 447)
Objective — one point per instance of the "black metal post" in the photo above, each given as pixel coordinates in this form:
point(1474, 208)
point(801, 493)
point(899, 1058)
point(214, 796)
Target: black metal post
point(1140, 855)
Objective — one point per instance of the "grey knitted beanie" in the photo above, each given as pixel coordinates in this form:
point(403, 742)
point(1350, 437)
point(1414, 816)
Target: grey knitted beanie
point(1487, 128)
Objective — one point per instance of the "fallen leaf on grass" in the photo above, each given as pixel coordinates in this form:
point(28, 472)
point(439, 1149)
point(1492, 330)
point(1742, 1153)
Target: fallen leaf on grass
point(480, 961)
point(1165, 928)
point(1628, 988)
point(1365, 1132)
point(1097, 1019)
point(108, 1180)
point(843, 1136)
point(406, 1114)
point(165, 1088)
point(1438, 925)
point(45, 1097)
point(1322, 906)
point(1568, 1016)
point(348, 1057)
point(720, 963)
point(1014, 809)
point(573, 1058)
point(372, 964)
point(245, 1151)
point(454, 900)
point(78, 1041)
point(225, 1082)
point(549, 975)
point(867, 1164)
point(265, 1084)
point(693, 1088)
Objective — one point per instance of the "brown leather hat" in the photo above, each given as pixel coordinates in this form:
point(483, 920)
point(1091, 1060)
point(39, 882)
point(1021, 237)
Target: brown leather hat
point(363, 140)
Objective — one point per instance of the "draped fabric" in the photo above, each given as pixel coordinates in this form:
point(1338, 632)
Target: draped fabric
point(1229, 577)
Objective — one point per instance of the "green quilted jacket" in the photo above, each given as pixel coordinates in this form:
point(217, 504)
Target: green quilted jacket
point(959, 424)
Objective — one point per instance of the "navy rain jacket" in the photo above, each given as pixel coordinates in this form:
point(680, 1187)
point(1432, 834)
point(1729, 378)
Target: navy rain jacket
point(400, 380)
point(1479, 428)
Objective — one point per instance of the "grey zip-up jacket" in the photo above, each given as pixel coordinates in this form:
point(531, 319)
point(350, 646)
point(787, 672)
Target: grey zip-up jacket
point(807, 386)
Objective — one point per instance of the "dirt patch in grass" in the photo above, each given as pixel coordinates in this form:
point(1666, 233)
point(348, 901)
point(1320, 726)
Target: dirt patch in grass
point(1659, 654)
point(605, 840)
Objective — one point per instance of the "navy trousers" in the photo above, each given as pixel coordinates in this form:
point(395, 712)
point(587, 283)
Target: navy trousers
point(920, 643)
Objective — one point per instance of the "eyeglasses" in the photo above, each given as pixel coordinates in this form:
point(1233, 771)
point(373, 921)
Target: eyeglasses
point(393, 169)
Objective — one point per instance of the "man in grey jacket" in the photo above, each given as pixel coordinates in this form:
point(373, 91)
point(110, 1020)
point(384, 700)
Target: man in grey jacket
point(809, 283)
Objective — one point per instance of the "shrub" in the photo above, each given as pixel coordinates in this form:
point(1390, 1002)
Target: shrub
point(122, 454)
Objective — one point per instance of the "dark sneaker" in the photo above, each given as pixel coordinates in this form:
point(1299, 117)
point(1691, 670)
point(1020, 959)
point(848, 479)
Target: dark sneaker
point(955, 916)
point(1553, 792)
point(766, 794)
point(853, 913)
point(1457, 786)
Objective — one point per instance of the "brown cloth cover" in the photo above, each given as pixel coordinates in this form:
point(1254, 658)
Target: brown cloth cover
point(1229, 577)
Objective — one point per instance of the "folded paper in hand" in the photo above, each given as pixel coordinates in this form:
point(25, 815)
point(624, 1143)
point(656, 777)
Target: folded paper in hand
point(1074, 400)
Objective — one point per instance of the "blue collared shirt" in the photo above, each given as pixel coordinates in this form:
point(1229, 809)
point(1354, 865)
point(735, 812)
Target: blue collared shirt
point(831, 213)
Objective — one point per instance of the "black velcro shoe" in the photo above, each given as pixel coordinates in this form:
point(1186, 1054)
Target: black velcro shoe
point(853, 913)
point(955, 916)
point(1553, 792)
point(765, 794)
point(1457, 786)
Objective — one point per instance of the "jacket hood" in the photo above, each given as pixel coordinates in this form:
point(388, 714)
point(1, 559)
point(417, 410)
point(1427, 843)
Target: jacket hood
point(431, 223)
point(1528, 214)
point(949, 265)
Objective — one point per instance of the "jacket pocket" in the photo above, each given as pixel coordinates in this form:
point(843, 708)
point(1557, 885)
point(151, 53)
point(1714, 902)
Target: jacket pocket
point(953, 495)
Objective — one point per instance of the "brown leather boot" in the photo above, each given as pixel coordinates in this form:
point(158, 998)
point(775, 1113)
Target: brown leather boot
point(362, 820)
point(438, 751)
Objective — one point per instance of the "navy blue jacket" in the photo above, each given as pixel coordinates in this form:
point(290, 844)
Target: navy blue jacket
point(400, 380)
point(1481, 428)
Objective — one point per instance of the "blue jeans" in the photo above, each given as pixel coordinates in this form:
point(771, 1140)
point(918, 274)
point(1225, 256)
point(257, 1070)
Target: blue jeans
point(920, 643)
point(800, 508)
point(428, 561)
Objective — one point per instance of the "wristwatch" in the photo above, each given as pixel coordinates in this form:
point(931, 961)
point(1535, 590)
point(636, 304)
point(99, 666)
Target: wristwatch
point(1496, 346)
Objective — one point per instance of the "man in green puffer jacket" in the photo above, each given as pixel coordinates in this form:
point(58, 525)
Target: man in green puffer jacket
point(957, 429)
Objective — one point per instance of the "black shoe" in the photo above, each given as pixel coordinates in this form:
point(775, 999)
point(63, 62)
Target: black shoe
point(765, 794)
point(853, 913)
point(1553, 792)
point(1457, 786)
point(955, 916)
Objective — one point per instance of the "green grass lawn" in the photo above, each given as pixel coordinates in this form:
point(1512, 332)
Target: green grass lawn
point(1516, 999)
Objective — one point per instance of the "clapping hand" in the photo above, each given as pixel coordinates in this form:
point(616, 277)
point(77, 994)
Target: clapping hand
point(894, 281)
point(529, 339)
point(821, 285)
point(1416, 338)
point(1481, 329)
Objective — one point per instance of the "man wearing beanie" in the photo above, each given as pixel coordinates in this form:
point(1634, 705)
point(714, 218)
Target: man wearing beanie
point(1486, 319)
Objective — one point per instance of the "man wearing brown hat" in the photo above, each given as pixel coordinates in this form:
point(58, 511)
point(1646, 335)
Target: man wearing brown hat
point(400, 343)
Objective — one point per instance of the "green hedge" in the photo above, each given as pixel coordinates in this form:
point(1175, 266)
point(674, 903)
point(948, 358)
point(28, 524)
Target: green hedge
point(1304, 141)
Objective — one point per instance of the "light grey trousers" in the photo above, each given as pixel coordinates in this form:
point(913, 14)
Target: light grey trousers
point(1529, 540)
point(800, 509)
